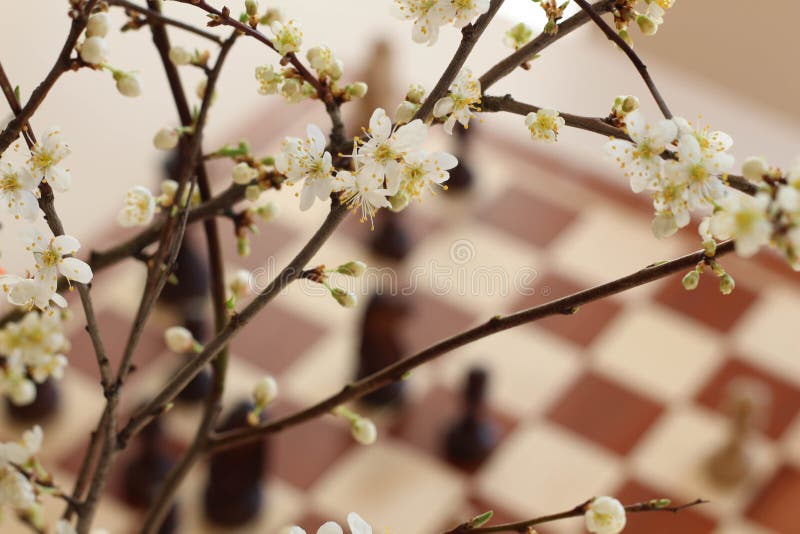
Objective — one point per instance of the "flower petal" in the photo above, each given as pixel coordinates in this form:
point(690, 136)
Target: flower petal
point(76, 270)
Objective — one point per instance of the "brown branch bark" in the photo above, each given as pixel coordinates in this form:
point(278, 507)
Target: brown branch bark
point(633, 56)
point(563, 306)
point(469, 37)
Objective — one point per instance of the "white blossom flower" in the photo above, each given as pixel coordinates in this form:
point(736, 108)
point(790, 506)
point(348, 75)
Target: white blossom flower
point(755, 168)
point(458, 105)
point(29, 293)
point(46, 157)
point(641, 159)
point(288, 37)
point(94, 50)
point(166, 138)
point(544, 125)
point(743, 218)
point(239, 284)
point(18, 187)
point(139, 209)
point(307, 160)
point(50, 257)
point(179, 339)
point(128, 83)
point(428, 16)
point(420, 172)
point(671, 202)
point(16, 489)
point(363, 189)
point(323, 61)
point(605, 515)
point(269, 80)
point(699, 169)
point(354, 521)
point(462, 12)
point(98, 24)
point(179, 56)
point(388, 147)
point(405, 112)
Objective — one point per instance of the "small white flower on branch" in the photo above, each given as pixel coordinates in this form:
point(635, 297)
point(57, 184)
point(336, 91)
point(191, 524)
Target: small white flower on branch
point(544, 125)
point(428, 16)
point(288, 37)
point(388, 146)
point(46, 157)
point(18, 190)
point(269, 80)
point(51, 258)
point(239, 284)
point(139, 209)
point(243, 173)
point(755, 168)
point(265, 391)
point(94, 50)
point(354, 521)
point(29, 293)
point(363, 189)
point(307, 160)
point(462, 12)
point(459, 104)
point(420, 173)
point(323, 61)
point(605, 515)
point(743, 218)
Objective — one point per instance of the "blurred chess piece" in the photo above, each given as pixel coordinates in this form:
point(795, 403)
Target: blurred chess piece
point(748, 403)
point(473, 436)
point(381, 346)
point(234, 490)
point(391, 238)
point(146, 471)
point(461, 176)
point(43, 407)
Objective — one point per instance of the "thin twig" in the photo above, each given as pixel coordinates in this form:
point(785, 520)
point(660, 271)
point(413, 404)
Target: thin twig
point(469, 37)
point(527, 52)
point(563, 306)
point(524, 526)
point(597, 125)
point(153, 15)
point(633, 56)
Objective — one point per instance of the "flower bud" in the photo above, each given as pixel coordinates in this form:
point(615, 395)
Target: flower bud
point(94, 51)
point(240, 283)
point(265, 391)
point(179, 339)
point(646, 25)
point(128, 83)
point(180, 56)
point(605, 515)
point(243, 173)
point(166, 138)
point(273, 14)
point(405, 112)
point(625, 36)
point(356, 89)
point(252, 192)
point(251, 6)
point(22, 393)
point(243, 246)
point(364, 431)
point(97, 25)
point(415, 94)
point(399, 202)
point(726, 284)
point(755, 168)
point(691, 280)
point(352, 268)
point(346, 299)
point(268, 211)
point(631, 103)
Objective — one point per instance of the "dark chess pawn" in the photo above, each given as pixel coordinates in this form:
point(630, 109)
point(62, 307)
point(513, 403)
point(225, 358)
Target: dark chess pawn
point(391, 239)
point(461, 176)
point(44, 406)
point(144, 474)
point(471, 438)
point(234, 490)
point(381, 346)
point(731, 463)
point(200, 386)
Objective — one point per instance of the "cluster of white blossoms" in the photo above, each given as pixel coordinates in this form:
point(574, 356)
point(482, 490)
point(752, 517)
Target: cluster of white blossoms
point(648, 15)
point(390, 168)
point(94, 50)
point(605, 515)
point(354, 521)
point(682, 167)
point(17, 469)
point(430, 15)
point(463, 99)
point(33, 351)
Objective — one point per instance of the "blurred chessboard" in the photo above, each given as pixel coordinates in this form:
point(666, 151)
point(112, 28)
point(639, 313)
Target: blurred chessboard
point(624, 398)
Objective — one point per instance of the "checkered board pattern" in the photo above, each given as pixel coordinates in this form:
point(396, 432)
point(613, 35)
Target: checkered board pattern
point(625, 398)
